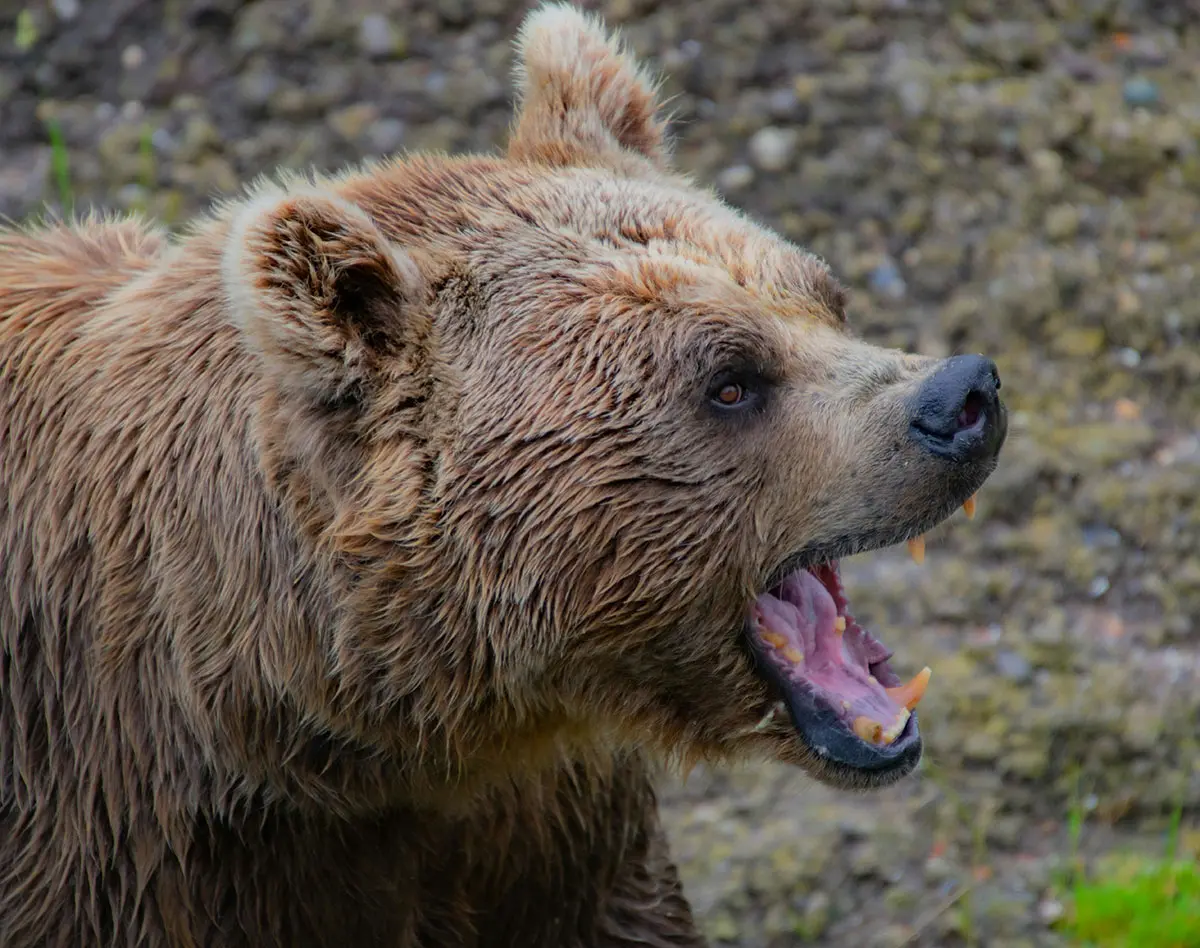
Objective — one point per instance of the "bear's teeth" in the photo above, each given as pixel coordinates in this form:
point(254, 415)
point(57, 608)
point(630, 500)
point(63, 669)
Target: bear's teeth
point(793, 655)
point(869, 730)
point(774, 639)
point(893, 732)
point(873, 732)
point(839, 625)
point(969, 507)
point(916, 549)
point(909, 695)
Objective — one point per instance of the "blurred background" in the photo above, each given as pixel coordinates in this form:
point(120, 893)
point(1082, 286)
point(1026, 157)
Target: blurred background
point(1018, 178)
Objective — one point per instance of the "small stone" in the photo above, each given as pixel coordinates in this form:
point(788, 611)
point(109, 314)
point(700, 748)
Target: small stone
point(132, 57)
point(385, 135)
point(1140, 92)
point(1050, 911)
point(938, 869)
point(257, 86)
point(132, 195)
point(1129, 358)
point(885, 279)
point(163, 141)
point(1155, 255)
point(378, 38)
point(735, 178)
point(1013, 665)
point(200, 136)
point(260, 26)
point(65, 10)
point(353, 121)
point(1062, 222)
point(782, 102)
point(772, 148)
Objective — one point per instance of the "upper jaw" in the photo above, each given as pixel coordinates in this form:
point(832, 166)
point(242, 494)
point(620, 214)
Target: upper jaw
point(877, 537)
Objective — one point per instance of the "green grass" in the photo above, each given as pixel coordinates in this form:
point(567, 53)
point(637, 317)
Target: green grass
point(60, 166)
point(1130, 901)
point(26, 35)
point(1139, 903)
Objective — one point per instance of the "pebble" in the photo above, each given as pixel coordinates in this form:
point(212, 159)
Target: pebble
point(1140, 92)
point(377, 37)
point(1062, 222)
point(386, 135)
point(66, 10)
point(1129, 357)
point(1013, 665)
point(735, 178)
point(132, 57)
point(772, 148)
point(1050, 911)
point(885, 279)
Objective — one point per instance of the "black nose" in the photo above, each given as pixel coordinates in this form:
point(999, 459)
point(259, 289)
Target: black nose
point(957, 413)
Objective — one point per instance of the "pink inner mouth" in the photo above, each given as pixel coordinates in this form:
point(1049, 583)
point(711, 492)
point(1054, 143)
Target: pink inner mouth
point(803, 629)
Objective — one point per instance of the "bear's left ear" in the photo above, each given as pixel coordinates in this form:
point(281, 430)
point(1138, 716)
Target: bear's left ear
point(582, 96)
point(322, 294)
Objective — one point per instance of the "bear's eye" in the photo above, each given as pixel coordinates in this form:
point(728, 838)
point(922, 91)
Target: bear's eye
point(735, 391)
point(730, 394)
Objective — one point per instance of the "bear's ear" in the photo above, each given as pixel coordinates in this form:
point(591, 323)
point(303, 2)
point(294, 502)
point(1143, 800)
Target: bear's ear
point(320, 292)
point(581, 95)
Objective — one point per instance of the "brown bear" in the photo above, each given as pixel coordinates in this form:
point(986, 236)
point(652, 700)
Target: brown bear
point(362, 546)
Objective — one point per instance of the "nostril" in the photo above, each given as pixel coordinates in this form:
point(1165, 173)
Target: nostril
point(973, 409)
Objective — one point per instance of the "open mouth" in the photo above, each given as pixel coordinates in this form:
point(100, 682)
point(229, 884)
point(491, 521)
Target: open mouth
point(831, 675)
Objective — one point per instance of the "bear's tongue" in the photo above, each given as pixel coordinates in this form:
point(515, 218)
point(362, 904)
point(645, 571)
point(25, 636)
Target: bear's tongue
point(805, 633)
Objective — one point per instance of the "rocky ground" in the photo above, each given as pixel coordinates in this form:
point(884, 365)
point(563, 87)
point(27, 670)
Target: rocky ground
point(1028, 186)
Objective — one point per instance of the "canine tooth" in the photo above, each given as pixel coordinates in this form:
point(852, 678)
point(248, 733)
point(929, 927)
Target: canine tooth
point(793, 655)
point(845, 705)
point(839, 625)
point(868, 730)
point(910, 695)
point(894, 729)
point(969, 507)
point(916, 549)
point(775, 639)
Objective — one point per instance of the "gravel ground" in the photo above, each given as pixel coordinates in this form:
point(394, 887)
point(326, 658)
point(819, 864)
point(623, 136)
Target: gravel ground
point(1026, 186)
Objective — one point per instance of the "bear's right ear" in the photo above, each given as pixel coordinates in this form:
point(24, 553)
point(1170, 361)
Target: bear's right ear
point(321, 293)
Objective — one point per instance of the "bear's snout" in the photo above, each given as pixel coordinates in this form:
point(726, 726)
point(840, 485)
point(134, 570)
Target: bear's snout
point(957, 413)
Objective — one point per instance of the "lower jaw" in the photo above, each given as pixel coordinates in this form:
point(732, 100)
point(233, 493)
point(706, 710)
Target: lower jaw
point(802, 731)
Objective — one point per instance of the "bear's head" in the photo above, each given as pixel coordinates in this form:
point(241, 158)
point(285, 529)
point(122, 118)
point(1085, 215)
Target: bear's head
point(586, 445)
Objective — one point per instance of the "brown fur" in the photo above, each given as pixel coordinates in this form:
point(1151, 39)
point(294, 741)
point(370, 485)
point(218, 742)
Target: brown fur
point(360, 545)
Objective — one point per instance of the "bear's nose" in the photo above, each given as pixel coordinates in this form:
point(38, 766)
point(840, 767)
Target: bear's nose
point(957, 413)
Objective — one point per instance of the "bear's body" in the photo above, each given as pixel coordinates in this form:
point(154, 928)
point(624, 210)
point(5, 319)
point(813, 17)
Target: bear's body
point(357, 547)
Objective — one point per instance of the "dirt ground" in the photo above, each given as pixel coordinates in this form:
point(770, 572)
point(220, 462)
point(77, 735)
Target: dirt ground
point(1025, 186)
